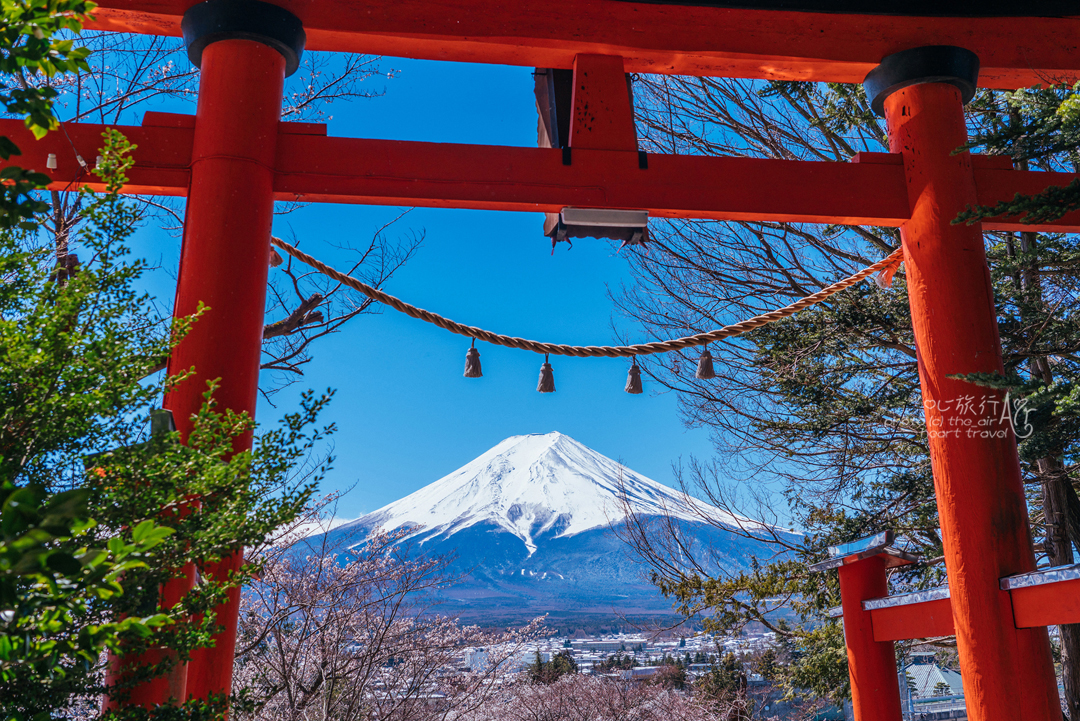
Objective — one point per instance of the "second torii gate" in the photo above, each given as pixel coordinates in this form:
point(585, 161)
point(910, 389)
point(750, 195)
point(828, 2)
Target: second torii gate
point(234, 158)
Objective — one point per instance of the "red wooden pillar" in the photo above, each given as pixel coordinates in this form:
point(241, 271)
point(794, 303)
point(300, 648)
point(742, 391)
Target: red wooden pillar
point(245, 50)
point(875, 689)
point(875, 693)
point(224, 265)
point(1008, 673)
point(159, 690)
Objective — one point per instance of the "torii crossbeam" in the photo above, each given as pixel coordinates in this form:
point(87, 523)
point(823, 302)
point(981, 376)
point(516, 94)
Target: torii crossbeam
point(1018, 43)
point(235, 157)
point(311, 167)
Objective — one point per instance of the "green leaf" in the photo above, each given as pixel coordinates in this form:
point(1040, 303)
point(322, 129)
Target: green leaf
point(8, 148)
point(64, 563)
point(141, 531)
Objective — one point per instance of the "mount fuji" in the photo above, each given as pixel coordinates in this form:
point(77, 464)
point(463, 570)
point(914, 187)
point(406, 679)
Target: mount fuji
point(534, 525)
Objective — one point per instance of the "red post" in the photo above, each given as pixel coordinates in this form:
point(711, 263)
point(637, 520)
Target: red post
point(603, 116)
point(875, 690)
point(224, 265)
point(862, 564)
point(1008, 673)
point(157, 690)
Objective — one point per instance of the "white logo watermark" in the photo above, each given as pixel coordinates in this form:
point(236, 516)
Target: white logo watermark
point(990, 416)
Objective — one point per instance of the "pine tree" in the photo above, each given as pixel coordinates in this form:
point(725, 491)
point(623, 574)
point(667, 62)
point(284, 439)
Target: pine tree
point(545, 672)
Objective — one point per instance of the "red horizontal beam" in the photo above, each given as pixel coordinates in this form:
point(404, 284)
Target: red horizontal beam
point(534, 179)
point(314, 168)
point(1034, 606)
point(916, 620)
point(162, 156)
point(652, 38)
point(997, 180)
point(997, 184)
point(162, 152)
point(1049, 604)
point(443, 175)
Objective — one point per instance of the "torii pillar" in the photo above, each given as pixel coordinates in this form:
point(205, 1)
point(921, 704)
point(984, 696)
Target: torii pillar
point(863, 567)
point(245, 50)
point(1008, 673)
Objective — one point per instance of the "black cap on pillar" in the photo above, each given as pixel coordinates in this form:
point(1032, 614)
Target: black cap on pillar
point(262, 22)
point(929, 64)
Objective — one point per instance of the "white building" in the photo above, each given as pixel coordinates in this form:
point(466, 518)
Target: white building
point(477, 659)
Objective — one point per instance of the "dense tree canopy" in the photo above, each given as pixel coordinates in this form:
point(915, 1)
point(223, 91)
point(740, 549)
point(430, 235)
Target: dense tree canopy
point(824, 409)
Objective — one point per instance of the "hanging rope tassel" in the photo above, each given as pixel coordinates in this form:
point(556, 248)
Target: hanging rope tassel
point(705, 369)
point(547, 378)
point(883, 279)
point(472, 362)
point(633, 378)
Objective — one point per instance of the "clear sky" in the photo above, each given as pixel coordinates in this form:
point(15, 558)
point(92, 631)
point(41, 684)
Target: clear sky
point(405, 414)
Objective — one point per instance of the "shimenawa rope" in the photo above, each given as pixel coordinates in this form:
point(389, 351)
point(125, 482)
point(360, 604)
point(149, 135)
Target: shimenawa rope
point(891, 262)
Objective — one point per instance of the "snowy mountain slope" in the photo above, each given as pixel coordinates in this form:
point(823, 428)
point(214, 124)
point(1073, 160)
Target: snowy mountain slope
point(541, 484)
point(530, 523)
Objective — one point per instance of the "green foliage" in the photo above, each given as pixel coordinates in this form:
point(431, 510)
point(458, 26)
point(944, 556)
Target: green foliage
point(64, 384)
point(817, 662)
point(837, 416)
point(824, 407)
point(836, 107)
point(1042, 128)
point(1037, 124)
point(1044, 207)
point(725, 681)
point(49, 579)
point(213, 709)
point(617, 662)
point(29, 46)
point(103, 528)
point(767, 665)
point(547, 672)
point(99, 518)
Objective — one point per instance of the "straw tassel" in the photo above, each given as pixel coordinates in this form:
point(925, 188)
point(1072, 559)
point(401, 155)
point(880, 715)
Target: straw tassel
point(633, 378)
point(705, 367)
point(472, 362)
point(883, 279)
point(547, 378)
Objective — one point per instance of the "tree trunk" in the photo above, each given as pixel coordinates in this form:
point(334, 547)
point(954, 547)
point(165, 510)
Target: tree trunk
point(1059, 552)
point(1056, 492)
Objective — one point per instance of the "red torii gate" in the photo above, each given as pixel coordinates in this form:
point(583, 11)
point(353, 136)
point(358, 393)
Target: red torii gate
point(234, 158)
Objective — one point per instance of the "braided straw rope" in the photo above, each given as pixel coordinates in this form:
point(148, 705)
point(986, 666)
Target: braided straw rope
point(592, 351)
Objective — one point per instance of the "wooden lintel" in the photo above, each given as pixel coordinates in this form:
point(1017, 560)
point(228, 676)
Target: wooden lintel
point(917, 620)
point(1050, 604)
point(654, 38)
point(315, 168)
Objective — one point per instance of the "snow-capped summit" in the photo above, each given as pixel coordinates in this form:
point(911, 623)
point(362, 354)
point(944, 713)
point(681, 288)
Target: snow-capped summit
point(532, 527)
point(535, 485)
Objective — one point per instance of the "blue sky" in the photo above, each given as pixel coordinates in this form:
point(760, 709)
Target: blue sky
point(405, 414)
